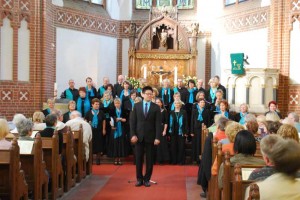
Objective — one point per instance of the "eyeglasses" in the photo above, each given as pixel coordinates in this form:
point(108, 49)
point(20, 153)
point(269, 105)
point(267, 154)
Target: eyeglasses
point(148, 94)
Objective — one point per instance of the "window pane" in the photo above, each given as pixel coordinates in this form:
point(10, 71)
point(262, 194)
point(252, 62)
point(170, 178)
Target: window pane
point(23, 52)
point(164, 2)
point(229, 2)
point(143, 4)
point(185, 4)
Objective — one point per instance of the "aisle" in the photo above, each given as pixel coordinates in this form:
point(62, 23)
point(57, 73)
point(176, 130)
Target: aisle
point(111, 182)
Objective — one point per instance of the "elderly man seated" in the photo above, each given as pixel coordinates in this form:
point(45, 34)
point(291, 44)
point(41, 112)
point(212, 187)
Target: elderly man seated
point(74, 123)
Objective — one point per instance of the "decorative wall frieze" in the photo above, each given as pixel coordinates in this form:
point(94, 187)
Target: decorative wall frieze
point(23, 95)
point(253, 19)
point(6, 95)
point(294, 99)
point(164, 56)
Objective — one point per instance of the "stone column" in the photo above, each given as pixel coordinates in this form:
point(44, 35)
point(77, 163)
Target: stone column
point(131, 51)
point(263, 94)
point(275, 93)
point(247, 94)
point(233, 94)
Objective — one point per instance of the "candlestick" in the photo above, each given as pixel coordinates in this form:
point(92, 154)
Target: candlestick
point(145, 71)
point(175, 75)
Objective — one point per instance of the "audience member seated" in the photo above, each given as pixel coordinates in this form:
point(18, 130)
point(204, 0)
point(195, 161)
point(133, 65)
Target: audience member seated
point(221, 124)
point(288, 132)
point(244, 149)
point(262, 125)
point(232, 128)
point(71, 93)
point(295, 118)
point(213, 127)
point(4, 132)
point(60, 125)
point(273, 127)
point(74, 124)
point(272, 116)
point(25, 129)
point(38, 119)
point(273, 108)
point(250, 117)
point(17, 118)
point(51, 104)
point(71, 107)
point(267, 146)
point(252, 127)
point(51, 122)
point(282, 185)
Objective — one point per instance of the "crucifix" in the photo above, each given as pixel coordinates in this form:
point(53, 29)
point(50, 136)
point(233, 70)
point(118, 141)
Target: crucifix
point(161, 73)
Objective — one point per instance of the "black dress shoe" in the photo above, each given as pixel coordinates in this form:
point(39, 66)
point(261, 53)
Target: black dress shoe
point(139, 183)
point(147, 183)
point(203, 194)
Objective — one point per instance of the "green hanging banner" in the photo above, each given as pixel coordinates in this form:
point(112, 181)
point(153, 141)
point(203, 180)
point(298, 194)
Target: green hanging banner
point(237, 63)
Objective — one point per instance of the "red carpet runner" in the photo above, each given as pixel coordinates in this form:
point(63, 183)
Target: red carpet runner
point(171, 182)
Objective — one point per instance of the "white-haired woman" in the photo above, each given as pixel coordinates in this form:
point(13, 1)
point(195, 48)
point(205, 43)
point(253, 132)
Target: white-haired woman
point(241, 116)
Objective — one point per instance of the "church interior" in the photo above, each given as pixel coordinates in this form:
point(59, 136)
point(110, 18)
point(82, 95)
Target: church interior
point(46, 44)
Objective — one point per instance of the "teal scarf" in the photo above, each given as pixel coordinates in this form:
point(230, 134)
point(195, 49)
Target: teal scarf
point(191, 97)
point(101, 90)
point(212, 93)
point(168, 93)
point(118, 131)
point(69, 94)
point(90, 92)
point(200, 111)
point(175, 89)
point(173, 106)
point(106, 103)
point(179, 121)
point(122, 94)
point(48, 110)
point(242, 120)
point(95, 118)
point(87, 105)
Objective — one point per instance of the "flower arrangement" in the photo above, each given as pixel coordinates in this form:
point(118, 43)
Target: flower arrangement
point(133, 82)
point(185, 79)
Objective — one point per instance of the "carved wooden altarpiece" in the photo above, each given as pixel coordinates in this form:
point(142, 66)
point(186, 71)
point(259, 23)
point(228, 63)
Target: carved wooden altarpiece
point(162, 45)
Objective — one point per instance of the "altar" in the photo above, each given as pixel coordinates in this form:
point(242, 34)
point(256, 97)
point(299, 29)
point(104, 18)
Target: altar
point(163, 48)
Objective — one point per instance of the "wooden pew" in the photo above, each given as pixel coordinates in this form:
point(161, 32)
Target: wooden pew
point(89, 164)
point(254, 192)
point(204, 134)
point(53, 165)
point(233, 185)
point(80, 154)
point(70, 161)
point(214, 192)
point(34, 168)
point(12, 182)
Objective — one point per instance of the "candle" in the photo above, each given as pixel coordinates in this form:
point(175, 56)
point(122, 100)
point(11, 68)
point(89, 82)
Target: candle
point(145, 71)
point(175, 75)
point(55, 86)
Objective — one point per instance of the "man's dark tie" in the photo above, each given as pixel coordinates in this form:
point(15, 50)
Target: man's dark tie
point(146, 110)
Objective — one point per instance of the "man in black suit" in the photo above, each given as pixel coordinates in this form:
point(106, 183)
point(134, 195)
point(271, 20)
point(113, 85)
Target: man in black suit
point(220, 86)
point(145, 131)
point(118, 87)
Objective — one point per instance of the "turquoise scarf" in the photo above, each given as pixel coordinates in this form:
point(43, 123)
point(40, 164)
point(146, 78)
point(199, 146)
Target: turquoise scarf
point(69, 94)
point(101, 90)
point(242, 120)
point(173, 106)
point(200, 111)
point(191, 97)
point(87, 105)
point(179, 121)
point(168, 93)
point(175, 89)
point(118, 131)
point(106, 103)
point(122, 94)
point(90, 92)
point(95, 118)
point(212, 93)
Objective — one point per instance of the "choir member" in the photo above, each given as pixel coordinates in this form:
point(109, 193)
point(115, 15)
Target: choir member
point(155, 95)
point(51, 104)
point(125, 93)
point(224, 109)
point(102, 89)
point(162, 154)
point(71, 93)
point(191, 99)
point(83, 104)
point(71, 107)
point(118, 87)
point(215, 107)
point(110, 88)
point(211, 94)
point(91, 91)
point(240, 117)
point(107, 106)
point(96, 119)
point(201, 95)
point(200, 85)
point(273, 108)
point(200, 115)
point(178, 130)
point(176, 97)
point(166, 94)
point(220, 86)
point(117, 145)
point(182, 90)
